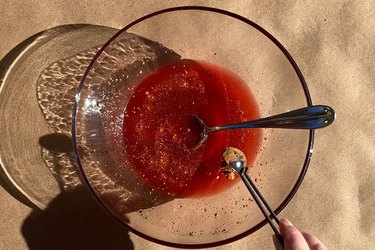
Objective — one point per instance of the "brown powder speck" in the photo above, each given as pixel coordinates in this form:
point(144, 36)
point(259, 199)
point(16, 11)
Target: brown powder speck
point(227, 171)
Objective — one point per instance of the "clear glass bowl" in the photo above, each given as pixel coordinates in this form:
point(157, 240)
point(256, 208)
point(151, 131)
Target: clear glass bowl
point(197, 33)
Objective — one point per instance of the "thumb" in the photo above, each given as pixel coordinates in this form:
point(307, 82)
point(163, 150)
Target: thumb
point(293, 238)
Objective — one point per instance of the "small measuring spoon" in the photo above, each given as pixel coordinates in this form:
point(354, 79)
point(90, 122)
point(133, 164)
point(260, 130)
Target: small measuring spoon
point(236, 160)
point(311, 117)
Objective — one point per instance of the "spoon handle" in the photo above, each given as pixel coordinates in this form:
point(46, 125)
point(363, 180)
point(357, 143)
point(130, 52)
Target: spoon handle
point(311, 117)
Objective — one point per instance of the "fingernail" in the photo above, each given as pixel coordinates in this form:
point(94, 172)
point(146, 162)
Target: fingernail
point(287, 222)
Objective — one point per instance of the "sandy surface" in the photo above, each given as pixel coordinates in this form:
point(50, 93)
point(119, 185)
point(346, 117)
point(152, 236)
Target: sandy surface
point(333, 42)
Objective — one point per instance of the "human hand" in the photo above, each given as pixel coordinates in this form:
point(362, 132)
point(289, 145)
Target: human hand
point(296, 240)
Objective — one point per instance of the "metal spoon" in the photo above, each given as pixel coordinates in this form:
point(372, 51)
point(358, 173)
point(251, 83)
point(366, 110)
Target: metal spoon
point(311, 117)
point(237, 161)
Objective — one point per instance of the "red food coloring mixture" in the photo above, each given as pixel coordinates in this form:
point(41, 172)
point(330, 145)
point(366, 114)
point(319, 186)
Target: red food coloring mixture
point(160, 132)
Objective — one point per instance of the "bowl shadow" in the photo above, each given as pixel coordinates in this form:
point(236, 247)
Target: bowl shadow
point(73, 219)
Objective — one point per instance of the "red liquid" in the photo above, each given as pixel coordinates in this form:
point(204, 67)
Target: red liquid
point(160, 133)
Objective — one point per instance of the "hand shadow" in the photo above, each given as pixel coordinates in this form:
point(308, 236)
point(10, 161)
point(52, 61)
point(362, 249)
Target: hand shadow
point(74, 220)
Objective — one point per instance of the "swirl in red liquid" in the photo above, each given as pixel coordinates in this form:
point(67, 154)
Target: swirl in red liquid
point(160, 133)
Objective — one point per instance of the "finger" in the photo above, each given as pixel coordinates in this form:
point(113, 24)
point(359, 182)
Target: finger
point(277, 243)
point(313, 242)
point(293, 238)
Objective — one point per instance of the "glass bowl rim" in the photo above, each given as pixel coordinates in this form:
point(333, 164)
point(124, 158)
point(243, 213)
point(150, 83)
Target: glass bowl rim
point(304, 87)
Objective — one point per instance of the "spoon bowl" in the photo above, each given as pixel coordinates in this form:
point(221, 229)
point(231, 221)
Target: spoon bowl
point(312, 117)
